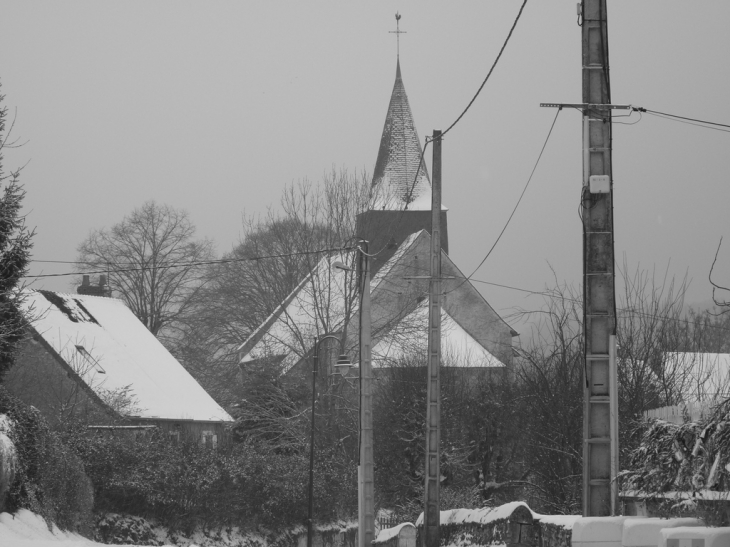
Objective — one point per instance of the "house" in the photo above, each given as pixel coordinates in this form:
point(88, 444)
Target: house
point(702, 380)
point(89, 358)
point(397, 227)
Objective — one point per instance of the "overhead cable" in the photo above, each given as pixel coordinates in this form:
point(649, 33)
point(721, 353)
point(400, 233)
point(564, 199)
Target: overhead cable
point(181, 264)
point(529, 179)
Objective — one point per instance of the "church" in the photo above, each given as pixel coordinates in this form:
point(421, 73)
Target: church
point(397, 227)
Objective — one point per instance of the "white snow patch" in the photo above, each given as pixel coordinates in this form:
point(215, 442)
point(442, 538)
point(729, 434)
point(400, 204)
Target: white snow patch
point(564, 521)
point(26, 529)
point(6, 424)
point(389, 533)
point(476, 516)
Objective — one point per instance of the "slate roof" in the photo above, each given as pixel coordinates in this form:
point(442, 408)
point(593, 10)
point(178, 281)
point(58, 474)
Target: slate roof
point(110, 349)
point(317, 306)
point(289, 332)
point(458, 347)
point(399, 158)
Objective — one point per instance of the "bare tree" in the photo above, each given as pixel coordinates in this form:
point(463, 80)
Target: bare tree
point(278, 252)
point(549, 371)
point(652, 329)
point(153, 262)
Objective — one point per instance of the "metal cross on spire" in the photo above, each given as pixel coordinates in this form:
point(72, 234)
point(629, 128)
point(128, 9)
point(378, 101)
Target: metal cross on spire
point(397, 31)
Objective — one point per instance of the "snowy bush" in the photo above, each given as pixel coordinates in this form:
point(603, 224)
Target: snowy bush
point(8, 458)
point(126, 530)
point(689, 458)
point(50, 478)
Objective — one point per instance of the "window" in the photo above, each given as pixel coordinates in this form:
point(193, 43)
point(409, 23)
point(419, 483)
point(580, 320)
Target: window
point(90, 360)
point(210, 439)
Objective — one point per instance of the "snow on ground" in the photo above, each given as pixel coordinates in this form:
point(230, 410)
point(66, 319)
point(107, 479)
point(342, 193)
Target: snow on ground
point(26, 529)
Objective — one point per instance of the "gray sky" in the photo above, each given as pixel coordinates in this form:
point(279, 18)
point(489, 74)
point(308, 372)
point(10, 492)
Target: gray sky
point(214, 106)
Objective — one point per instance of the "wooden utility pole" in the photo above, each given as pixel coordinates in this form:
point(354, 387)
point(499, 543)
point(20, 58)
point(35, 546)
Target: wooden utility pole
point(600, 431)
point(431, 513)
point(366, 477)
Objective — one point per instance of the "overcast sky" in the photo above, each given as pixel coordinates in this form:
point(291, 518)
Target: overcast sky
point(214, 106)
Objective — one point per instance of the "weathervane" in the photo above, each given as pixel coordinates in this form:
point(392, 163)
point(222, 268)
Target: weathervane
point(397, 31)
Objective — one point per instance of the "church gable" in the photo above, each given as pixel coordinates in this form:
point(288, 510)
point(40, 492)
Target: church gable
point(402, 285)
point(472, 331)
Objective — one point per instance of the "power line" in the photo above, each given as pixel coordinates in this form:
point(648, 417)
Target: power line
point(181, 264)
point(623, 310)
point(499, 55)
point(458, 119)
point(529, 179)
point(667, 115)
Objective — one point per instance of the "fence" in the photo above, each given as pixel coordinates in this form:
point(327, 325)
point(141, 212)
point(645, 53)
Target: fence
point(676, 414)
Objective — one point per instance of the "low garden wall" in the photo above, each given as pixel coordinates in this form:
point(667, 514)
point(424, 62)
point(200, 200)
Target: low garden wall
point(341, 534)
point(512, 524)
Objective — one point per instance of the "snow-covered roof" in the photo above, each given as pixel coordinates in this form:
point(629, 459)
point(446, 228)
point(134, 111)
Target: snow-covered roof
point(316, 306)
point(385, 270)
point(458, 347)
point(705, 376)
point(110, 350)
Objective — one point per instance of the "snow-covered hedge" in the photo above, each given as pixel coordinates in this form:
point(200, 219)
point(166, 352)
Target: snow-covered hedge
point(692, 459)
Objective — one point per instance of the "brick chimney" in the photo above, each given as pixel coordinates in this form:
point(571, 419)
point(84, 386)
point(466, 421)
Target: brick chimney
point(86, 288)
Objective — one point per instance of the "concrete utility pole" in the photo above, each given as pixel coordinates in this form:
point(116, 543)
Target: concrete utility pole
point(600, 431)
point(366, 477)
point(431, 513)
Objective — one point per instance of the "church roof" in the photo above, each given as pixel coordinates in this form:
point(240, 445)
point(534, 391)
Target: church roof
point(410, 337)
point(470, 327)
point(399, 161)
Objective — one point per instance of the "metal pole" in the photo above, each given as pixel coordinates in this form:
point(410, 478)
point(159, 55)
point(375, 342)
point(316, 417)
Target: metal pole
point(431, 513)
point(315, 364)
point(599, 312)
point(366, 474)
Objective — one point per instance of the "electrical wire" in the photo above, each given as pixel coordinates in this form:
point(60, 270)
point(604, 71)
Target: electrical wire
point(458, 119)
point(656, 112)
point(185, 264)
point(673, 119)
point(499, 55)
point(529, 179)
point(577, 301)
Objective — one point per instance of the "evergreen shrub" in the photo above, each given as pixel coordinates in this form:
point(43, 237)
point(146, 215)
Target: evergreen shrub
point(50, 479)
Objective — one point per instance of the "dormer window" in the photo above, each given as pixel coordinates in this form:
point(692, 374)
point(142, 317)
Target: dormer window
point(90, 360)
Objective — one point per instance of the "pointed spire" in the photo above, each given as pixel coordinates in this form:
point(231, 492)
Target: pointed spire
point(400, 177)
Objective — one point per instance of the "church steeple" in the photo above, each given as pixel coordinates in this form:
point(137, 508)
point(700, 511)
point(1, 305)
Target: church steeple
point(400, 178)
point(401, 186)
